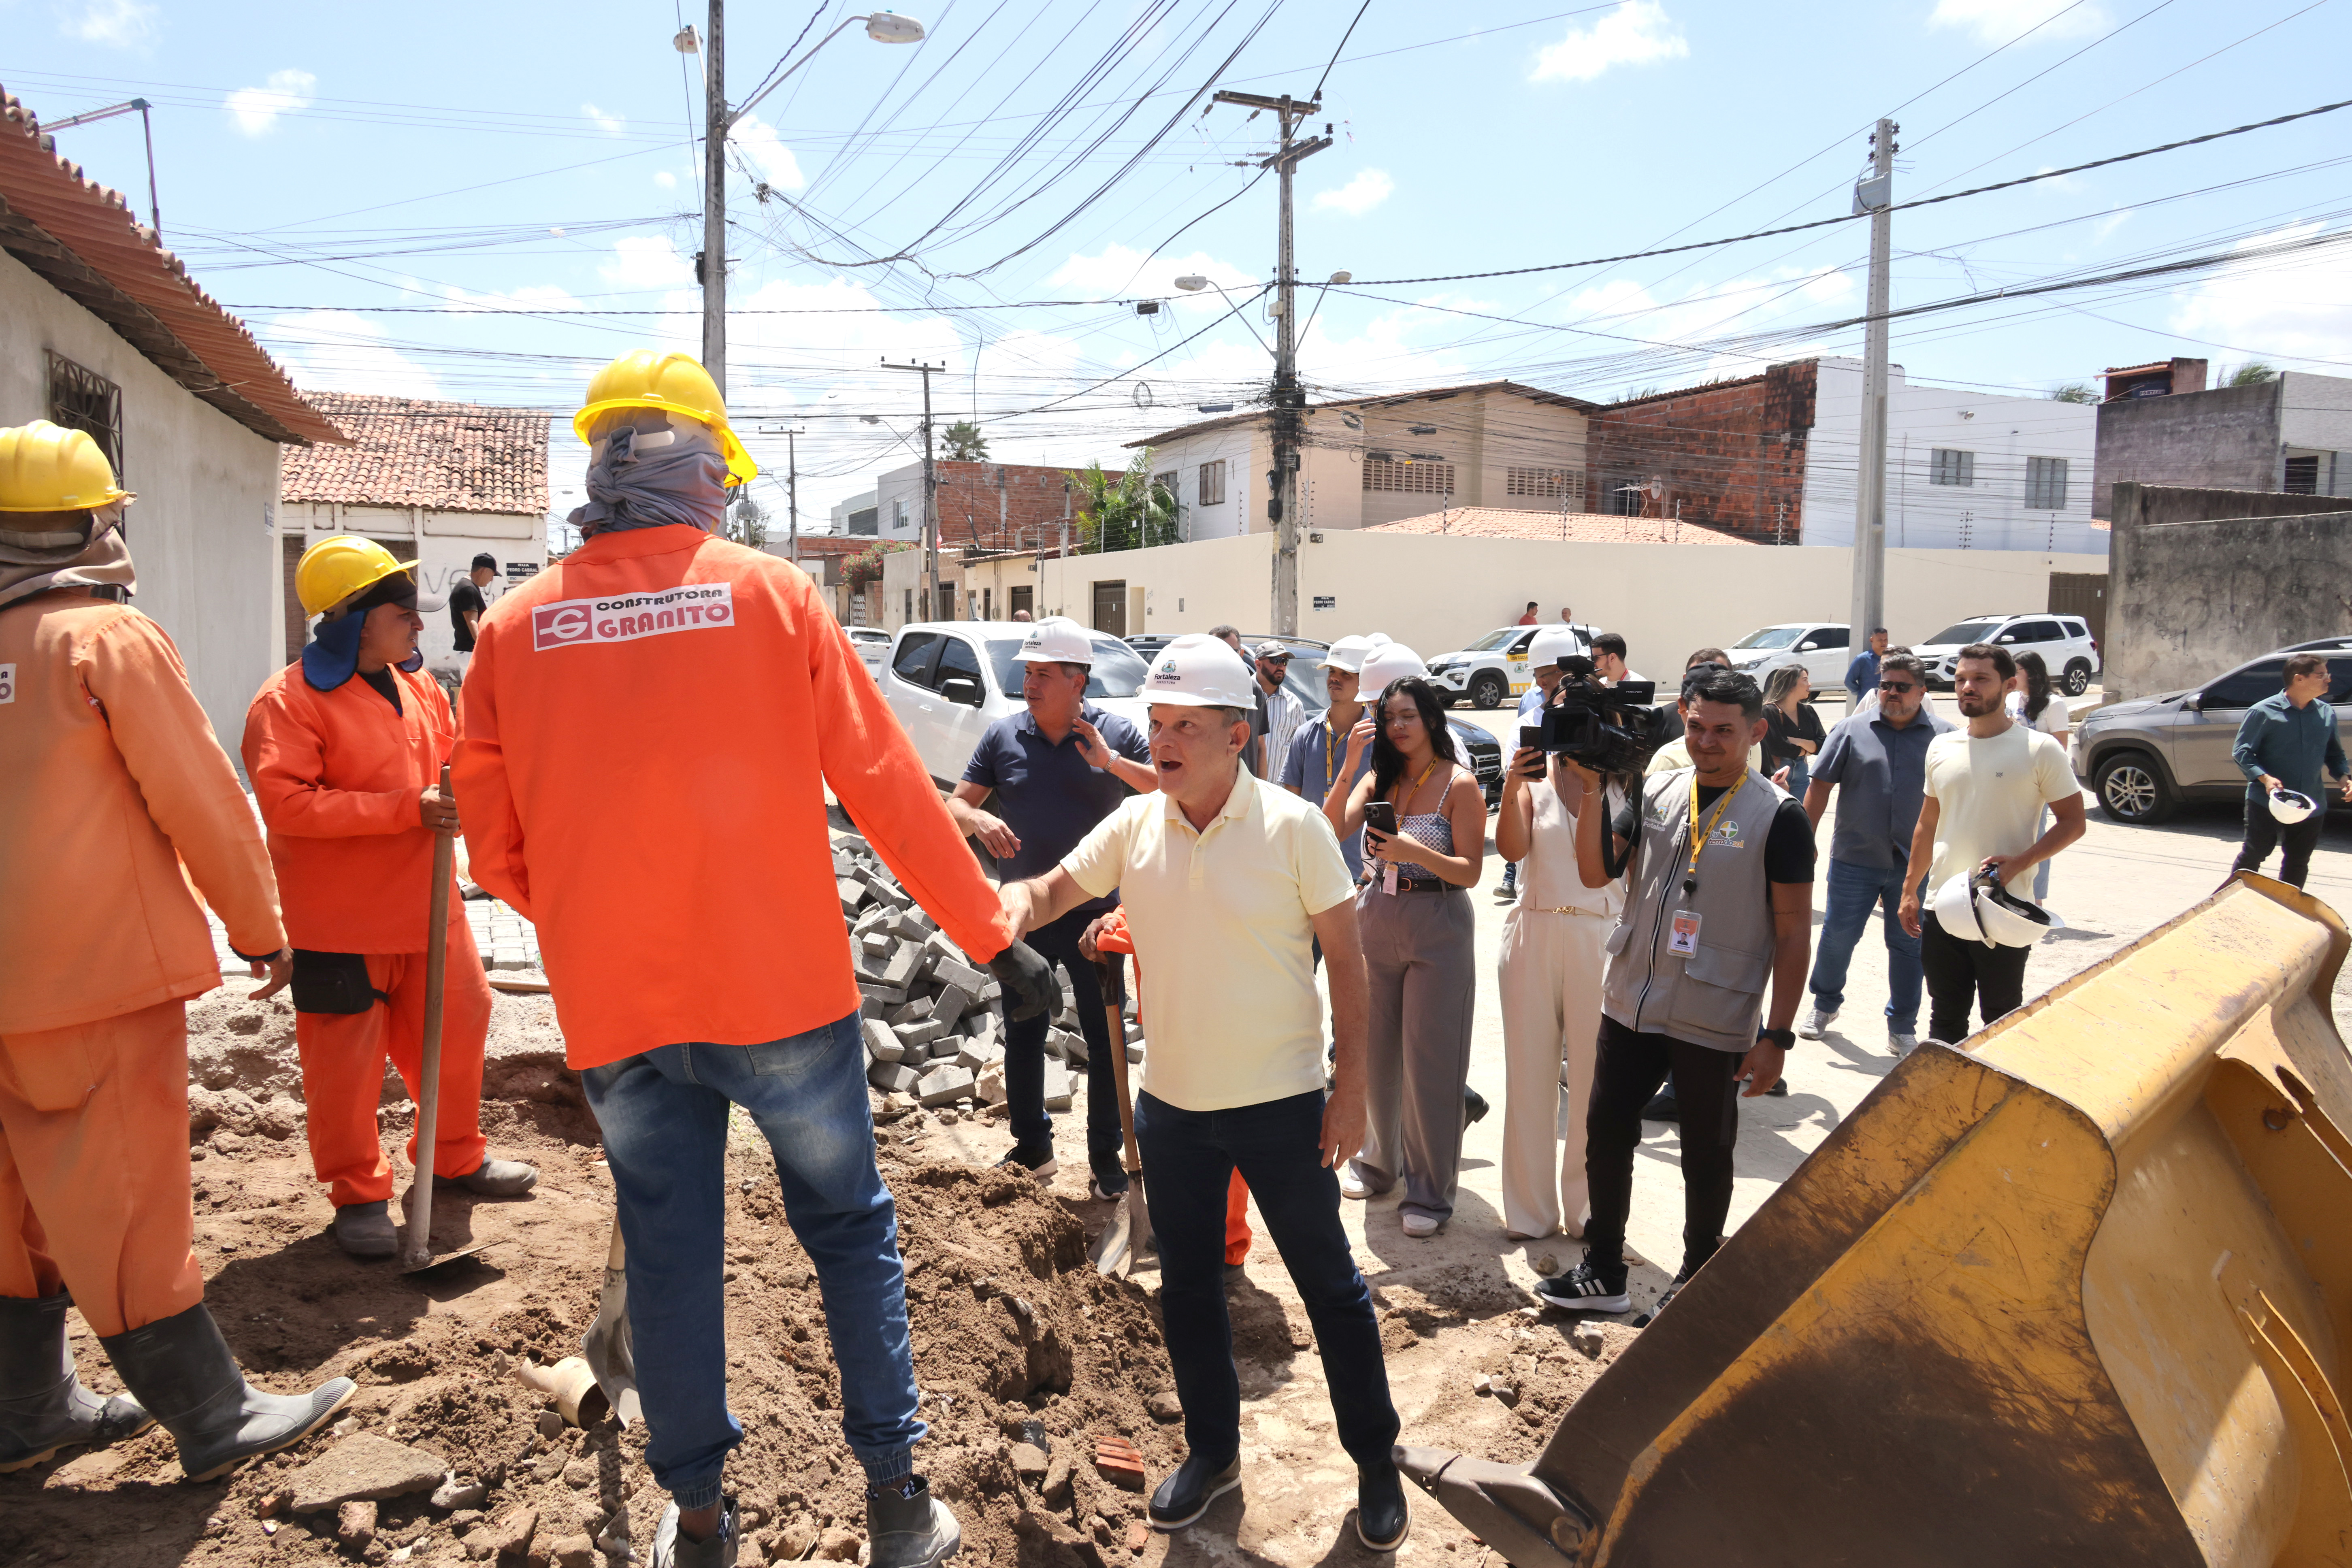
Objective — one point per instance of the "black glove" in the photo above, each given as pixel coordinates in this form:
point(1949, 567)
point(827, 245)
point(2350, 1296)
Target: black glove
point(1030, 988)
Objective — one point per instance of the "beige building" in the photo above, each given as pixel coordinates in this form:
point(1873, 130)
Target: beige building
point(1370, 460)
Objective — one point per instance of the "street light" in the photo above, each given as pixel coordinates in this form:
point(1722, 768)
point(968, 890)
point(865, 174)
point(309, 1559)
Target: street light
point(1193, 283)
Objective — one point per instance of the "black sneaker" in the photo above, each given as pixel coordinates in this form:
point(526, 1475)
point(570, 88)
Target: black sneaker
point(1679, 1280)
point(1186, 1495)
point(1473, 1107)
point(1587, 1288)
point(1103, 1192)
point(1029, 1164)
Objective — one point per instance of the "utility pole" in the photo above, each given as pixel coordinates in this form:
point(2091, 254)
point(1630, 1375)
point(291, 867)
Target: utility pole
point(710, 267)
point(1874, 195)
point(791, 483)
point(930, 492)
point(1282, 483)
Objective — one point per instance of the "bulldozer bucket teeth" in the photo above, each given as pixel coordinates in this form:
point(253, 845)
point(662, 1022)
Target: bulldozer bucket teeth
point(2079, 1291)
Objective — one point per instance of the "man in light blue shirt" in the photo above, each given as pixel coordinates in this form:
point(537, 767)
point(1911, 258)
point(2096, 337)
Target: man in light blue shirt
point(1862, 675)
point(2285, 743)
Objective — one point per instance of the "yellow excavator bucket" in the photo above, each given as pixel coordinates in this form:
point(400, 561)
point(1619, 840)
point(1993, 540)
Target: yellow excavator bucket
point(2078, 1292)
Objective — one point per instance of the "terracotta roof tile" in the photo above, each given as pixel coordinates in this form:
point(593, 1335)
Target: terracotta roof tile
point(409, 451)
point(1575, 527)
point(82, 237)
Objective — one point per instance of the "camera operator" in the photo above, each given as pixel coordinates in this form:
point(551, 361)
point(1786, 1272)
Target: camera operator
point(1545, 650)
point(1720, 894)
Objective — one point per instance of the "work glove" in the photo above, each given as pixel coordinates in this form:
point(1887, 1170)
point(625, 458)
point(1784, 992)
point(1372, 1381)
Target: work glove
point(1030, 989)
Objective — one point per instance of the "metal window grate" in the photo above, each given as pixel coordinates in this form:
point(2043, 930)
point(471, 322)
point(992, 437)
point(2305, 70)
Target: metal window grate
point(1411, 478)
point(81, 399)
point(1948, 467)
point(1545, 484)
point(2045, 484)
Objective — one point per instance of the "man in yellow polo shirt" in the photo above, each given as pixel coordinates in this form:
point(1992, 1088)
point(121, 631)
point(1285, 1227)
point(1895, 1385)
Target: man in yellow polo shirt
point(1228, 883)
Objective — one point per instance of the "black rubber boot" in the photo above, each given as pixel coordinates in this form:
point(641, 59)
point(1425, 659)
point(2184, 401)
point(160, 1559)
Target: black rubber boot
point(42, 1405)
point(181, 1369)
point(909, 1531)
point(672, 1550)
point(1381, 1517)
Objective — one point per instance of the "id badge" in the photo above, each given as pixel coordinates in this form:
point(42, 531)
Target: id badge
point(1683, 937)
point(1389, 878)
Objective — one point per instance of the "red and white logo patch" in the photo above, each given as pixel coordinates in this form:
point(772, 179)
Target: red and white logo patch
point(576, 623)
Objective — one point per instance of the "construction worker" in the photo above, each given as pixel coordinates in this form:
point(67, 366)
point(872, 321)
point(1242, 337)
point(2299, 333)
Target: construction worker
point(650, 727)
point(111, 784)
point(345, 748)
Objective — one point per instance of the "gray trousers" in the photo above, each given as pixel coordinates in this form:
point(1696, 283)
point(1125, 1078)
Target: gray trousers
point(1418, 948)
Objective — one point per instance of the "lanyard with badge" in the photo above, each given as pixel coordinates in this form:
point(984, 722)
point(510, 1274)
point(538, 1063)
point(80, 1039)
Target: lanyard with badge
point(1683, 937)
point(1388, 868)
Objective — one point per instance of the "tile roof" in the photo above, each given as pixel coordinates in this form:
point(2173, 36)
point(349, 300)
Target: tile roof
point(1575, 527)
point(1380, 400)
point(409, 451)
point(82, 239)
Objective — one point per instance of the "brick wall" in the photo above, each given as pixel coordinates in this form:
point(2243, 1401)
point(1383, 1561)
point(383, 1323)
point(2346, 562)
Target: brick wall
point(1732, 455)
point(1001, 506)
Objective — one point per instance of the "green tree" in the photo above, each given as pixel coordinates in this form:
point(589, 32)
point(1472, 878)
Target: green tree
point(2253, 373)
point(2075, 391)
point(1132, 512)
point(965, 443)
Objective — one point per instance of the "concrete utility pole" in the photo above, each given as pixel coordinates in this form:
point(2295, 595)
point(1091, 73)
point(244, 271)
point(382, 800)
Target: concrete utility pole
point(1282, 482)
point(710, 267)
point(930, 492)
point(1874, 195)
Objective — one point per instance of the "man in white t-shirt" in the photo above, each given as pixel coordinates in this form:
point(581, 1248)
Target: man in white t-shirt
point(1228, 883)
point(1985, 788)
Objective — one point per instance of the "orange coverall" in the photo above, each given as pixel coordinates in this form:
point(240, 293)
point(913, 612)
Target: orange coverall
point(650, 728)
point(114, 796)
point(1114, 937)
point(337, 775)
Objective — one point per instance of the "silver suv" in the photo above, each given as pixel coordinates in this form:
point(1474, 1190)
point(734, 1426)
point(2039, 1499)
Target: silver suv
point(2144, 757)
point(2064, 643)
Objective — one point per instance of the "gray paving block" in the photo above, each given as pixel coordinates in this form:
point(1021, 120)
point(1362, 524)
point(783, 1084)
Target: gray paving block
point(971, 1055)
point(851, 892)
point(952, 1003)
point(1057, 1086)
point(1074, 1047)
point(1135, 1050)
point(889, 995)
point(891, 1078)
point(900, 969)
point(961, 975)
point(943, 1085)
point(1134, 1030)
point(878, 942)
point(881, 1045)
point(922, 1034)
point(868, 1008)
point(947, 1046)
point(915, 1012)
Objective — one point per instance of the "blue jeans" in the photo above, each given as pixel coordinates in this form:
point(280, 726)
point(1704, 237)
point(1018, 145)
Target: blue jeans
point(1801, 773)
point(1854, 891)
point(664, 1114)
point(1188, 1158)
point(1025, 1057)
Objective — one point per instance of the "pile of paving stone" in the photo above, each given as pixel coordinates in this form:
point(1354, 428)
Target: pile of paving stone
point(933, 1029)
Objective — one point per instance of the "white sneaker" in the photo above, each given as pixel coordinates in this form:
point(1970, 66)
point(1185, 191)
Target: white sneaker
point(1902, 1045)
point(1815, 1023)
point(1352, 1185)
point(1418, 1225)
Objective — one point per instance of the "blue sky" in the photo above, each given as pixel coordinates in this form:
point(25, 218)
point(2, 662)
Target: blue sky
point(378, 189)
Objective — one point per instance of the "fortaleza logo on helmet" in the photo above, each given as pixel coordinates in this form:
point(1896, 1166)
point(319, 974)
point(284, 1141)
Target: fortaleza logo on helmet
point(1167, 668)
point(576, 623)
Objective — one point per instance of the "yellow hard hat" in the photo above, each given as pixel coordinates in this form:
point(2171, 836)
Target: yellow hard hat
point(334, 569)
point(47, 467)
point(675, 384)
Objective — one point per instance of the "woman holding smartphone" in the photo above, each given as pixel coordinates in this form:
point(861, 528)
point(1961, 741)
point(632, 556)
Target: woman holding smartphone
point(1792, 734)
point(1424, 823)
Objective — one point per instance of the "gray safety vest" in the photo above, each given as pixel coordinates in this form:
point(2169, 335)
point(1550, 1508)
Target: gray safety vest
point(1714, 996)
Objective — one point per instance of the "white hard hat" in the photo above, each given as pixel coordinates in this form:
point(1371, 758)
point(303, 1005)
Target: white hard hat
point(1347, 653)
point(1956, 911)
point(2292, 805)
point(1199, 671)
point(1388, 661)
point(2006, 919)
point(1056, 639)
point(1553, 644)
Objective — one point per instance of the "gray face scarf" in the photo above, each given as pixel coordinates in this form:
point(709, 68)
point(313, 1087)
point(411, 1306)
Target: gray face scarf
point(647, 470)
point(94, 555)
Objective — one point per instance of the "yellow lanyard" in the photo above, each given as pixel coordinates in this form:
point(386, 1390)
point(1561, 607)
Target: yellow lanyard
point(1700, 836)
point(1330, 754)
point(1406, 799)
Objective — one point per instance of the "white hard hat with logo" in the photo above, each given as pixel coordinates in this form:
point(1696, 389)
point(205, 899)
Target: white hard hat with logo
point(1388, 661)
point(2291, 805)
point(1347, 653)
point(1955, 909)
point(1198, 671)
point(2006, 919)
point(1553, 644)
point(1056, 639)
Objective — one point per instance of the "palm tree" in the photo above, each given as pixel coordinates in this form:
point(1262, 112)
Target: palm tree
point(965, 443)
point(2253, 373)
point(1132, 512)
point(2075, 391)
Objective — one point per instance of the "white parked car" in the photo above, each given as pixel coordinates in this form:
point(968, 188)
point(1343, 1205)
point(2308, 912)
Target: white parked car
point(1495, 666)
point(871, 644)
point(1820, 646)
point(2064, 643)
point(948, 680)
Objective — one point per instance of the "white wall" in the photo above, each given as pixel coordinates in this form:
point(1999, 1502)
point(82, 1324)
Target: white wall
point(450, 542)
point(2316, 420)
point(841, 510)
point(202, 531)
point(1991, 514)
point(1238, 447)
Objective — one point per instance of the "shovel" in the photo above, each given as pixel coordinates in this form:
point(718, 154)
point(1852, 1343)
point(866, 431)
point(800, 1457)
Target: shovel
point(416, 1251)
point(607, 1346)
point(1128, 1233)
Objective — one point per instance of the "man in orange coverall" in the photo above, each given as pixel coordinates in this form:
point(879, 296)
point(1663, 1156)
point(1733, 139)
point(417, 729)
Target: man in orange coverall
point(344, 747)
point(110, 782)
point(650, 727)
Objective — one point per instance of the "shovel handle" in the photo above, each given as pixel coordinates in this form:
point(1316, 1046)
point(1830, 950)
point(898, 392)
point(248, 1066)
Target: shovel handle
point(428, 1104)
point(1112, 969)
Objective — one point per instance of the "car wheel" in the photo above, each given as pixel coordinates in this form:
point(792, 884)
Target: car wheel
point(2132, 789)
point(1487, 690)
point(2078, 676)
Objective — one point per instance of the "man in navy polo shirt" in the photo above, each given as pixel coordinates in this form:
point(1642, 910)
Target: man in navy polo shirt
point(1057, 770)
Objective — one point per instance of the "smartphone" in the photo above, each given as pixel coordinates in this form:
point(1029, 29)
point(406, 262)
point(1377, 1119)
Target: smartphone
point(1380, 816)
point(1531, 737)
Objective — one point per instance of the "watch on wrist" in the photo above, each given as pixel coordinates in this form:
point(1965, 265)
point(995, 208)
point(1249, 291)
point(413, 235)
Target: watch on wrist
point(1784, 1038)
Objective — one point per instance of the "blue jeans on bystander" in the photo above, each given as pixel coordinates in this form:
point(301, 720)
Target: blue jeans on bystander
point(664, 1114)
point(1854, 890)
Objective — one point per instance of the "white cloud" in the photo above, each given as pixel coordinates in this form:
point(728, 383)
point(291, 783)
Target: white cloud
point(649, 261)
point(336, 351)
point(610, 124)
point(1999, 21)
point(2294, 308)
point(1119, 269)
point(664, 179)
point(258, 108)
point(531, 296)
point(766, 153)
point(118, 24)
point(1359, 195)
point(1637, 33)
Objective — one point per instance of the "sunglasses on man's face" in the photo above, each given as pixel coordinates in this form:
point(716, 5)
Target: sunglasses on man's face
point(1898, 687)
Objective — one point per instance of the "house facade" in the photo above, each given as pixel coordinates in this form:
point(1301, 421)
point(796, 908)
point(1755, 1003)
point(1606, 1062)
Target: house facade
point(2291, 434)
point(982, 506)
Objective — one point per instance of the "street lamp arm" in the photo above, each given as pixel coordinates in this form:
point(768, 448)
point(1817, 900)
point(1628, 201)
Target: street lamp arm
point(746, 107)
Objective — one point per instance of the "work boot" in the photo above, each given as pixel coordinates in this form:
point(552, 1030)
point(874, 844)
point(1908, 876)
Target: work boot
point(1186, 1495)
point(909, 1527)
point(365, 1230)
point(1381, 1518)
point(1473, 1107)
point(181, 1369)
point(42, 1405)
point(496, 1179)
point(672, 1550)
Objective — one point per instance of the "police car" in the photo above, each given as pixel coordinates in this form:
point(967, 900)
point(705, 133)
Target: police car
point(1494, 667)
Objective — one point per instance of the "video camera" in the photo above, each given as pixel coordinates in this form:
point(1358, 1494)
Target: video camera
point(1609, 729)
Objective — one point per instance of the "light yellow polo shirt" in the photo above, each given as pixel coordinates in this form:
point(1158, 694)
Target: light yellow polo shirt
point(1220, 925)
